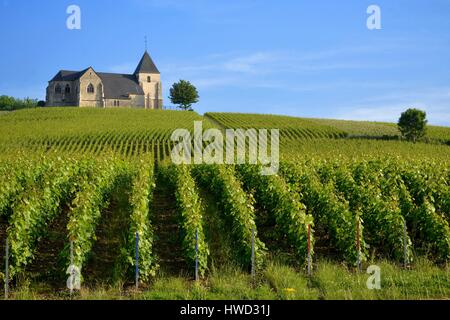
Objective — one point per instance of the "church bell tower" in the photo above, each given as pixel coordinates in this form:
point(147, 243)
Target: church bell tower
point(149, 79)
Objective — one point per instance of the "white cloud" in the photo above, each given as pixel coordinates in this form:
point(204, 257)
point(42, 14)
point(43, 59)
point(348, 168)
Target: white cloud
point(274, 70)
point(435, 101)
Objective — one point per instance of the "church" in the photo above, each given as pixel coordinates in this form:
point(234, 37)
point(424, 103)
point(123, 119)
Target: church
point(89, 88)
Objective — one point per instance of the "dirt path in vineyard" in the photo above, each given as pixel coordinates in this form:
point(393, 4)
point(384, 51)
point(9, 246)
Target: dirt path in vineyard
point(48, 265)
point(219, 241)
point(167, 243)
point(103, 266)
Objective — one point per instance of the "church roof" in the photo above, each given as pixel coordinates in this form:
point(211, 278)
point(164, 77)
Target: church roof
point(65, 75)
point(115, 85)
point(146, 65)
point(119, 86)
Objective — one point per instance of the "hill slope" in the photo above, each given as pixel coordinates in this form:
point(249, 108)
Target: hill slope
point(130, 132)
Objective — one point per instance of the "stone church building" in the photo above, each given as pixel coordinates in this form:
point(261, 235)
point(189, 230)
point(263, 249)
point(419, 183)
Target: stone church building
point(89, 88)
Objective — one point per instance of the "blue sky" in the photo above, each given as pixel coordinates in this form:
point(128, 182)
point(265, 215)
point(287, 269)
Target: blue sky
point(301, 58)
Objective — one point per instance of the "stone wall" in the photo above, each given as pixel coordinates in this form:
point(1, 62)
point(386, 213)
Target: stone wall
point(134, 101)
point(152, 89)
point(64, 98)
point(90, 99)
point(78, 94)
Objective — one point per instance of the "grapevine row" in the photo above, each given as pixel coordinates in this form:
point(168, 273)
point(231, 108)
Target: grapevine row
point(275, 196)
point(237, 209)
point(190, 214)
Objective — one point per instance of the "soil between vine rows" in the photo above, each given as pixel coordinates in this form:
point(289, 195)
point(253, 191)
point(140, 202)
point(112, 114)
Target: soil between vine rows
point(103, 265)
point(219, 241)
point(167, 244)
point(48, 264)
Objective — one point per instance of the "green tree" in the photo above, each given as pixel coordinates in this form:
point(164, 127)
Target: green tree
point(10, 103)
point(7, 103)
point(412, 124)
point(184, 94)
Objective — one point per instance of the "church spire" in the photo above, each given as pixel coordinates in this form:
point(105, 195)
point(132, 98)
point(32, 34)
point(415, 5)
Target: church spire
point(146, 65)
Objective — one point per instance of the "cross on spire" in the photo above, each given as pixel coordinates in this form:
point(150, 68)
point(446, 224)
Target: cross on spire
point(145, 43)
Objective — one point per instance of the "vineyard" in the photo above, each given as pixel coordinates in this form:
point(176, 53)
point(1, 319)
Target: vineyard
point(94, 131)
point(95, 189)
point(302, 128)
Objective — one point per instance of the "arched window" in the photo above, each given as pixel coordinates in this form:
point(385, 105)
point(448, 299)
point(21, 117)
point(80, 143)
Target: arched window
point(58, 89)
point(90, 88)
point(67, 90)
point(149, 79)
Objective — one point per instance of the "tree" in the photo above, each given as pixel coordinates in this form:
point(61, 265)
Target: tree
point(412, 124)
point(7, 103)
point(184, 94)
point(10, 103)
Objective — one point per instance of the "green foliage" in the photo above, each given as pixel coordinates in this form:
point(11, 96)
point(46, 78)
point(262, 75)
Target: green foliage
point(141, 215)
point(10, 103)
point(95, 188)
point(419, 200)
point(301, 130)
point(76, 131)
point(291, 128)
point(13, 177)
point(328, 210)
point(412, 124)
point(275, 196)
point(190, 214)
point(39, 204)
point(237, 209)
point(381, 218)
point(184, 94)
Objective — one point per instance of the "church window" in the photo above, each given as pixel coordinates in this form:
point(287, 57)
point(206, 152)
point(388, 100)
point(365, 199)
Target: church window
point(67, 90)
point(90, 88)
point(58, 89)
point(149, 79)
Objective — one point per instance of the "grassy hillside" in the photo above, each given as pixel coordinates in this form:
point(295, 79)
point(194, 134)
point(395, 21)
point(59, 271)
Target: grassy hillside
point(131, 132)
point(80, 130)
point(321, 128)
point(88, 176)
point(291, 128)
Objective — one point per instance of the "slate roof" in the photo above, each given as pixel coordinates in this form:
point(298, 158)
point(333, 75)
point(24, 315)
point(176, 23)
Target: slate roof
point(65, 75)
point(146, 65)
point(115, 85)
point(119, 86)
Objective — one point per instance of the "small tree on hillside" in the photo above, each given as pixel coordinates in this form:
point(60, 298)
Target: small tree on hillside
point(184, 94)
point(412, 124)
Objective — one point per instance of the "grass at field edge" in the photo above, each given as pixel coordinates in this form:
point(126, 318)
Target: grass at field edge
point(331, 281)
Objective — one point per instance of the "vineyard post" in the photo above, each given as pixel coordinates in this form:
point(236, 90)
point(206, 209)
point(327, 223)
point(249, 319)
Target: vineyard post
point(253, 252)
point(196, 255)
point(358, 243)
point(7, 270)
point(137, 261)
point(405, 243)
point(309, 250)
point(71, 269)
